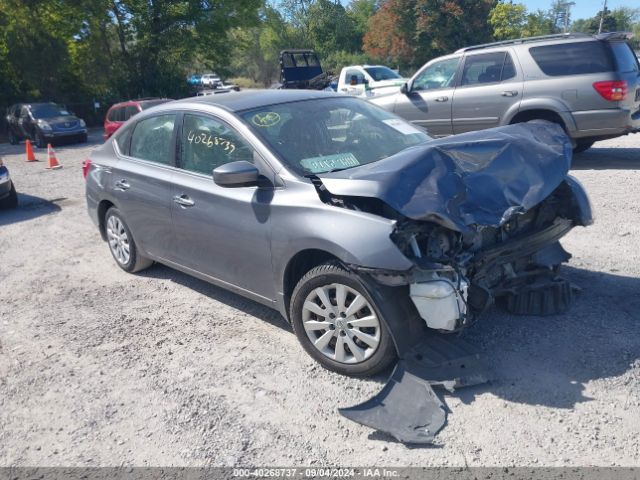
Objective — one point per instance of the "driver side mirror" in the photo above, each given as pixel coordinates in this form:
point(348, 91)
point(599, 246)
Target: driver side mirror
point(236, 174)
point(404, 88)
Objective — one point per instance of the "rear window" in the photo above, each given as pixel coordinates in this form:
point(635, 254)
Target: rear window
point(625, 58)
point(152, 103)
point(116, 115)
point(152, 139)
point(573, 58)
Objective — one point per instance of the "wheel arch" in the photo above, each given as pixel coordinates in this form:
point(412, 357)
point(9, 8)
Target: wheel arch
point(103, 207)
point(553, 112)
point(298, 266)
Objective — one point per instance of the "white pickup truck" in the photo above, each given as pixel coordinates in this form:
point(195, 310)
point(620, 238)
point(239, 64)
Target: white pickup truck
point(369, 80)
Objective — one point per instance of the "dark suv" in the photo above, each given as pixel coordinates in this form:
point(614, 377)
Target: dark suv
point(588, 84)
point(42, 123)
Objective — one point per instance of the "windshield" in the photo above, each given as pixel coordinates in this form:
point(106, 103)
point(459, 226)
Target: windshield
point(382, 73)
point(323, 135)
point(48, 110)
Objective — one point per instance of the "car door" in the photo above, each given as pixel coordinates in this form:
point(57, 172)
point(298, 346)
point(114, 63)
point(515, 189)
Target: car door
point(13, 118)
point(221, 232)
point(24, 122)
point(427, 101)
point(488, 87)
point(142, 183)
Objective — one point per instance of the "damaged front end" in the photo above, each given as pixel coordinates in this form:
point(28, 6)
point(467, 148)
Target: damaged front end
point(458, 275)
point(480, 216)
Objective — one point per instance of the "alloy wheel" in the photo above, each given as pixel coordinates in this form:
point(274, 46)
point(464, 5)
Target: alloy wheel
point(341, 323)
point(118, 240)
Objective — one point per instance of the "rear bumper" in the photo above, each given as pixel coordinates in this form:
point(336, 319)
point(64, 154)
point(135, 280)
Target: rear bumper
point(606, 123)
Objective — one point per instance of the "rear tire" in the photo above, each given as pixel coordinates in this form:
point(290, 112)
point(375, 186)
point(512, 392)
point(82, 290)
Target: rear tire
point(11, 201)
point(583, 146)
point(121, 244)
point(349, 336)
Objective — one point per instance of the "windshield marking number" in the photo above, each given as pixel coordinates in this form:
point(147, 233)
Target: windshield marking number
point(211, 141)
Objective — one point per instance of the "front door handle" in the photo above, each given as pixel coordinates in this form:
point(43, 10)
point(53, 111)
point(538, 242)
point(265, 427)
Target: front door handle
point(122, 185)
point(184, 201)
point(509, 93)
point(442, 99)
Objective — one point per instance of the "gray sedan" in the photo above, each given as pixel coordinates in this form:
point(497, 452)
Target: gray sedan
point(359, 228)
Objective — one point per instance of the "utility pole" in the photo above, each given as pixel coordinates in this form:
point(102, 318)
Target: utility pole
point(567, 14)
point(604, 11)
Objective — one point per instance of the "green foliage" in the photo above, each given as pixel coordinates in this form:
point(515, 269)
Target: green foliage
point(508, 20)
point(75, 51)
point(511, 20)
point(80, 50)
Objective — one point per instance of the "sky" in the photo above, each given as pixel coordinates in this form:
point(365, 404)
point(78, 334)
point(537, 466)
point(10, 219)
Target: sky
point(582, 8)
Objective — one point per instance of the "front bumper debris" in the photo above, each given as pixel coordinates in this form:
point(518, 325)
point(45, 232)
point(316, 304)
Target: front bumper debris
point(408, 408)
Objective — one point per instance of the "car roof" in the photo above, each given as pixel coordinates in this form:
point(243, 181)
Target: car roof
point(550, 39)
point(138, 101)
point(248, 99)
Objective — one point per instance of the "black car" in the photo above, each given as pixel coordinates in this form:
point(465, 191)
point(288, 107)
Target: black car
point(8, 195)
point(42, 123)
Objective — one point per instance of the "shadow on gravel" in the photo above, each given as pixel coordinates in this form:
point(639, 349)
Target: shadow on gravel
point(218, 294)
point(607, 159)
point(533, 360)
point(29, 207)
point(547, 360)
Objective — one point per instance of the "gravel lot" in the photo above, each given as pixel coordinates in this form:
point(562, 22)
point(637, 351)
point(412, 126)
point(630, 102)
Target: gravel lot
point(99, 367)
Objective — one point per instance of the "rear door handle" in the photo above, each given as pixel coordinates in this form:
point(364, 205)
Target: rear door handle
point(184, 201)
point(442, 99)
point(122, 185)
point(509, 93)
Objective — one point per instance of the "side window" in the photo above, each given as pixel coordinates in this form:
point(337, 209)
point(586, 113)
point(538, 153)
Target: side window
point(438, 75)
point(483, 68)
point(509, 69)
point(354, 77)
point(207, 143)
point(123, 136)
point(24, 112)
point(573, 58)
point(151, 139)
point(129, 112)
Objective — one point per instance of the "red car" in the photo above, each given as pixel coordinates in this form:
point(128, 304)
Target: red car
point(123, 111)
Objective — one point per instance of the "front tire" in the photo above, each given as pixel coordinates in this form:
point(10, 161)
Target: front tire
point(11, 201)
point(338, 323)
point(583, 146)
point(121, 244)
point(40, 141)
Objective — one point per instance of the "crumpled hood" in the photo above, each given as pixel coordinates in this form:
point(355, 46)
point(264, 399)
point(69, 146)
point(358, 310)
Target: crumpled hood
point(465, 181)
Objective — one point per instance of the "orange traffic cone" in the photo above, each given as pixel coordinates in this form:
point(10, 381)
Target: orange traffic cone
point(30, 156)
point(52, 161)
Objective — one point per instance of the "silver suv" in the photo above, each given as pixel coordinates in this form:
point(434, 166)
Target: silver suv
point(589, 84)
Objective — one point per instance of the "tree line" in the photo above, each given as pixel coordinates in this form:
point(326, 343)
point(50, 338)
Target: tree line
point(86, 51)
